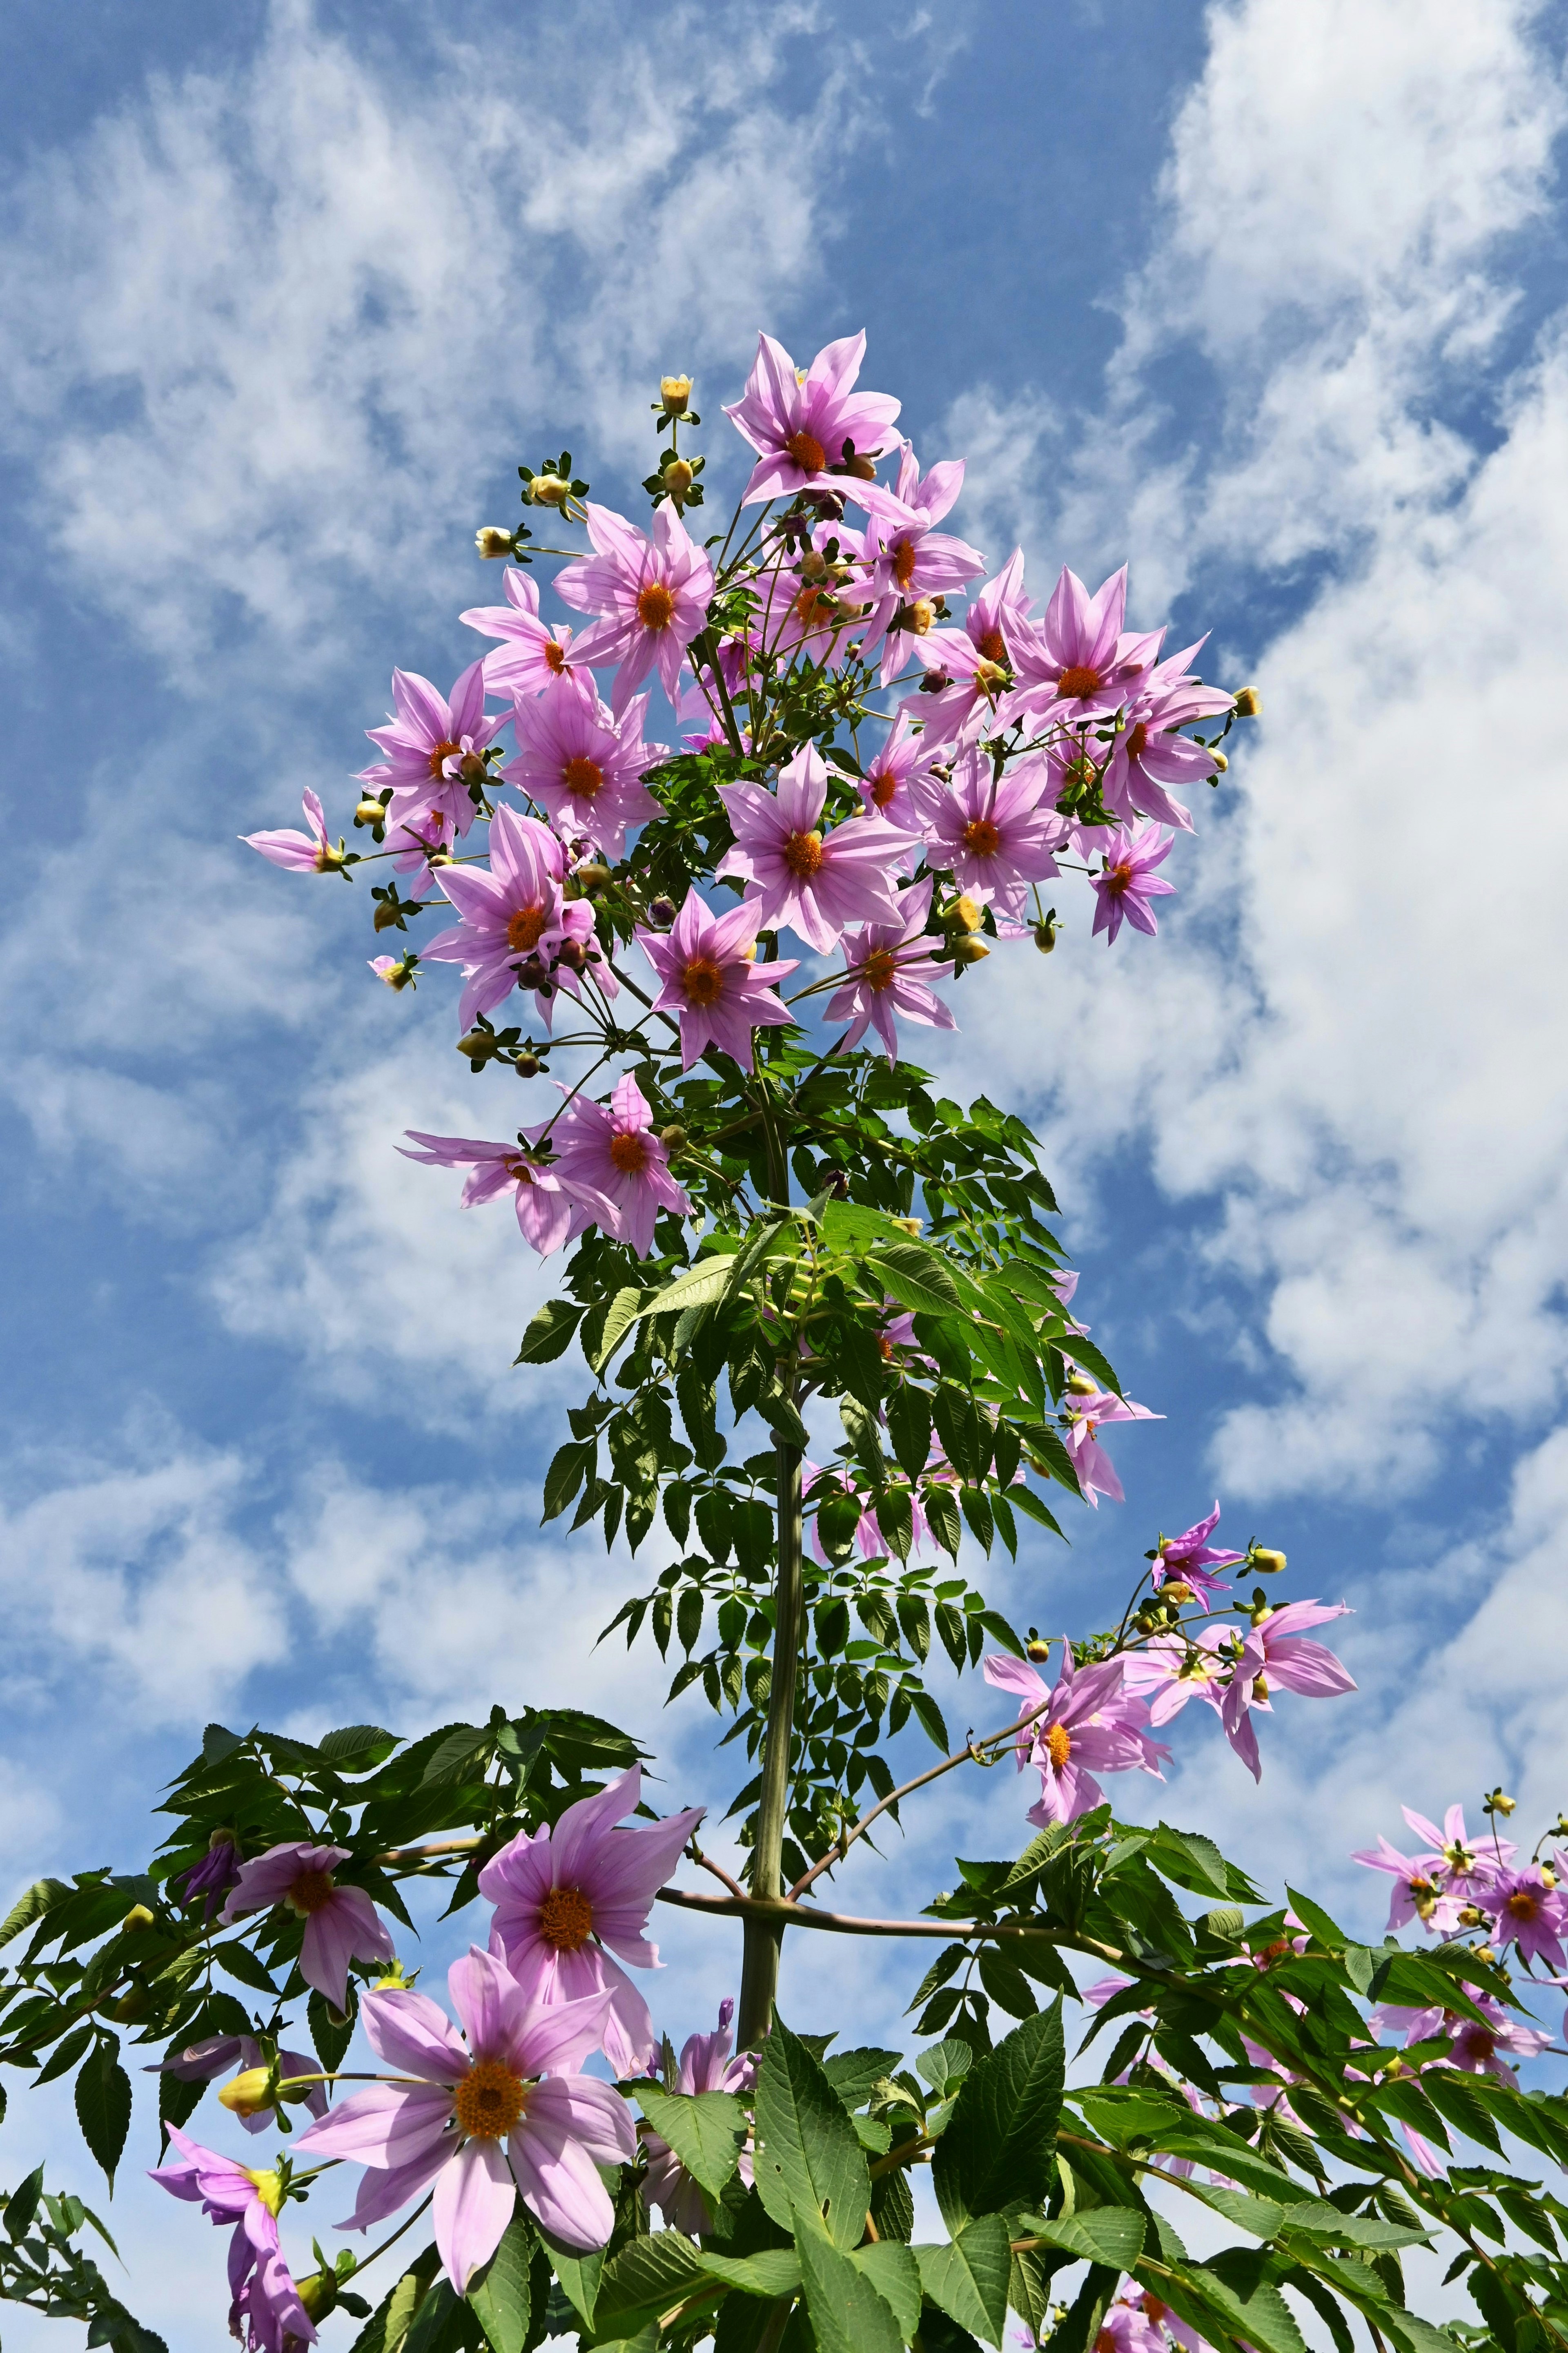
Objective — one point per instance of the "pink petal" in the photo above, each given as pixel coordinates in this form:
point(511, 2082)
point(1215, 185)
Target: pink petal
point(475, 2198)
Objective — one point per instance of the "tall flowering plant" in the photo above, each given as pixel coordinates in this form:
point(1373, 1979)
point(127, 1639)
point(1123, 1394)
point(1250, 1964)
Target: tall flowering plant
point(701, 956)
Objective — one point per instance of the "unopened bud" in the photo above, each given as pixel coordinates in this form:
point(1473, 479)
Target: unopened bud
point(393, 1981)
point(549, 491)
point(493, 543)
point(1221, 763)
point(967, 912)
point(573, 954)
point(1548, 1876)
point(1038, 1652)
point(675, 392)
point(1045, 935)
point(1146, 1621)
point(814, 564)
point(935, 681)
point(1081, 1385)
point(673, 1138)
point(1177, 1589)
point(1394, 2066)
point(317, 2293)
point(138, 1917)
point(1498, 1804)
point(1471, 1916)
point(528, 1066)
point(386, 915)
point(677, 478)
point(661, 911)
point(860, 469)
point(370, 813)
point(593, 877)
point(133, 2007)
point(1265, 1560)
point(967, 949)
point(1487, 1953)
point(250, 2093)
point(1248, 702)
point(478, 1045)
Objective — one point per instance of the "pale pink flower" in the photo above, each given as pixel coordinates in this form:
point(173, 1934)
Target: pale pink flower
point(1528, 1911)
point(1129, 881)
point(1078, 663)
point(995, 837)
point(227, 2055)
point(708, 975)
point(609, 1157)
point(906, 559)
point(814, 883)
point(651, 596)
point(887, 786)
point(1275, 1654)
point(1418, 1890)
point(705, 2066)
point(518, 930)
point(1190, 1556)
point(532, 657)
point(1088, 1411)
point(1149, 756)
point(440, 2124)
point(973, 662)
point(265, 2310)
point(567, 1899)
point(547, 1214)
point(435, 747)
point(802, 424)
point(1088, 1722)
point(1466, 1868)
point(341, 1924)
point(310, 853)
point(887, 970)
point(582, 768)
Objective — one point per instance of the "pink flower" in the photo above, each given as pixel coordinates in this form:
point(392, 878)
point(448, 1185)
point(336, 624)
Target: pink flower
point(563, 1896)
point(1078, 664)
point(222, 2054)
point(884, 975)
point(547, 1214)
point(1175, 1669)
point(888, 785)
point(870, 1540)
point(708, 975)
point(1086, 1723)
point(1149, 756)
point(266, 2310)
point(800, 425)
point(1465, 1869)
point(1475, 2047)
point(583, 770)
point(1274, 1653)
point(1087, 1409)
point(1190, 1556)
point(994, 838)
point(974, 661)
point(814, 883)
point(341, 1924)
point(1417, 1892)
point(311, 852)
point(435, 748)
point(906, 560)
point(611, 1157)
point(531, 658)
point(517, 930)
point(652, 597)
point(1129, 881)
point(442, 2124)
point(705, 2066)
point(1529, 1912)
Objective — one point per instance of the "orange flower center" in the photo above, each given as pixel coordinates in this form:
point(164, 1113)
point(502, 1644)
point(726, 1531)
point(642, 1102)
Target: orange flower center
point(1138, 741)
point(566, 1917)
point(1078, 679)
point(884, 1347)
point(309, 1891)
point(803, 855)
point(526, 928)
point(1483, 2045)
point(490, 2100)
point(520, 1168)
point(655, 605)
point(1058, 1746)
point(1119, 879)
point(440, 753)
point(812, 609)
point(629, 1152)
point(1521, 1905)
point(554, 658)
point(807, 452)
point(1153, 2310)
point(883, 788)
point(982, 837)
point(993, 645)
point(904, 562)
point(879, 969)
point(703, 981)
point(583, 775)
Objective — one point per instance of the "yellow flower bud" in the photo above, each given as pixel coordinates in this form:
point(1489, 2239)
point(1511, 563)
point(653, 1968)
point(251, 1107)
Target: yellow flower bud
point(967, 949)
point(675, 392)
point(1221, 763)
point(138, 1917)
point(549, 491)
point(1079, 1385)
point(1248, 702)
point(492, 543)
point(370, 813)
point(317, 2293)
point(1038, 1652)
point(673, 1138)
point(969, 912)
point(679, 477)
point(1266, 1560)
point(248, 2093)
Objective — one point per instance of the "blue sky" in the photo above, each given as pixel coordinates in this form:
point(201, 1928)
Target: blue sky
point(1267, 300)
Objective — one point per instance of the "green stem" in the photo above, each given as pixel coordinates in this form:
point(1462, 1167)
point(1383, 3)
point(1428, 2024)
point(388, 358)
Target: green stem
point(764, 1938)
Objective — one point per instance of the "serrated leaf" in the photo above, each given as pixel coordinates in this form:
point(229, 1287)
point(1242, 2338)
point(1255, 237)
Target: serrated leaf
point(916, 1276)
point(702, 1285)
point(771, 2271)
point(892, 2270)
point(968, 2278)
point(848, 2315)
point(1112, 2235)
point(705, 2129)
point(357, 1747)
point(619, 1317)
point(35, 1903)
point(999, 2147)
point(809, 2157)
point(642, 2279)
point(104, 2107)
point(501, 2293)
point(548, 1333)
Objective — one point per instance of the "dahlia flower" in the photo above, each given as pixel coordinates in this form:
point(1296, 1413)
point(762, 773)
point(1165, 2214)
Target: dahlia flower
point(801, 425)
point(885, 975)
point(814, 883)
point(1274, 1653)
point(705, 2066)
point(1191, 1557)
point(582, 768)
point(1129, 881)
point(610, 1155)
point(265, 2310)
point(1088, 1723)
point(435, 747)
point(1088, 1411)
point(708, 975)
point(515, 922)
point(532, 657)
point(1078, 662)
point(651, 596)
point(310, 853)
point(341, 1924)
point(547, 1214)
point(222, 2054)
point(994, 836)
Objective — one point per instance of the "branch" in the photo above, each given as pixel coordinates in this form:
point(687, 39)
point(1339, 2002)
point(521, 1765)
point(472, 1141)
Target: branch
point(788, 1914)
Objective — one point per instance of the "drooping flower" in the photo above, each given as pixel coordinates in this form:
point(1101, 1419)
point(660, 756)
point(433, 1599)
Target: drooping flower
point(1129, 881)
point(1088, 1723)
point(212, 1878)
point(517, 929)
point(651, 596)
point(584, 769)
point(442, 2123)
point(547, 1213)
point(1417, 1892)
point(532, 657)
point(802, 423)
point(969, 670)
point(1149, 755)
point(993, 835)
point(814, 883)
point(1477, 2049)
point(1169, 1669)
point(1528, 1910)
point(705, 2066)
point(1077, 663)
point(310, 853)
point(341, 1924)
point(1190, 1557)
point(568, 1898)
point(435, 748)
point(708, 975)
point(887, 787)
point(1088, 1408)
point(224, 2054)
point(609, 1155)
point(887, 972)
point(1274, 1653)
point(265, 2309)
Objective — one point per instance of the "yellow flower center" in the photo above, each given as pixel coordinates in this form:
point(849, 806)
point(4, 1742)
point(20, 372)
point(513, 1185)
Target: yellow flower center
point(490, 2100)
point(1058, 1746)
point(440, 753)
point(1077, 679)
point(807, 452)
point(309, 1891)
point(582, 776)
point(1521, 1905)
point(879, 969)
point(803, 855)
point(904, 562)
point(813, 609)
point(703, 981)
point(1118, 878)
point(982, 837)
point(520, 1168)
point(655, 605)
point(629, 1153)
point(566, 1919)
point(526, 928)
point(268, 2188)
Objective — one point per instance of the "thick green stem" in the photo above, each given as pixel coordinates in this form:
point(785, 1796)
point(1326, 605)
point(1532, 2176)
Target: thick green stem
point(763, 1938)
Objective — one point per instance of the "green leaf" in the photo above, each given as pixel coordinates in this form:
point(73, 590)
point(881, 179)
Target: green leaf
point(330, 2033)
point(501, 2293)
point(908, 1427)
point(387, 2326)
point(22, 2205)
point(566, 1475)
point(63, 2057)
point(809, 2156)
point(619, 1317)
point(357, 1747)
point(771, 2271)
point(702, 1285)
point(916, 1276)
point(644, 2279)
point(39, 1900)
point(848, 2315)
point(892, 2270)
point(580, 2276)
point(443, 2322)
point(854, 2074)
point(930, 1718)
point(1105, 2234)
point(104, 2106)
point(1000, 2142)
point(705, 2129)
point(1235, 2282)
point(1320, 2220)
point(548, 1333)
point(968, 2278)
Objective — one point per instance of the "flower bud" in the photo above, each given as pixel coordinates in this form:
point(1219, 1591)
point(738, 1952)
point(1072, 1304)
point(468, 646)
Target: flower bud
point(677, 478)
point(1045, 933)
point(1221, 763)
point(138, 1917)
point(675, 393)
point(661, 911)
point(386, 915)
point(1176, 1590)
point(860, 469)
point(1487, 1953)
point(548, 490)
point(1265, 1560)
point(967, 912)
point(1548, 1876)
point(1470, 1916)
point(1248, 702)
point(573, 954)
point(250, 2093)
point(493, 543)
point(915, 1226)
point(1079, 1385)
point(528, 1066)
point(814, 564)
point(532, 973)
point(1037, 1651)
point(393, 1981)
point(317, 2293)
point(593, 877)
point(370, 812)
point(967, 949)
point(478, 1045)
point(673, 1138)
point(1498, 1804)
point(935, 681)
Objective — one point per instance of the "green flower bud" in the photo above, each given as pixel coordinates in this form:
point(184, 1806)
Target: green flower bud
point(250, 2093)
point(318, 2293)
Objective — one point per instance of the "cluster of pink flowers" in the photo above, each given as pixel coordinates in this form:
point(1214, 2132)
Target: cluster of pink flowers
point(1449, 1884)
point(1016, 724)
point(496, 2107)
